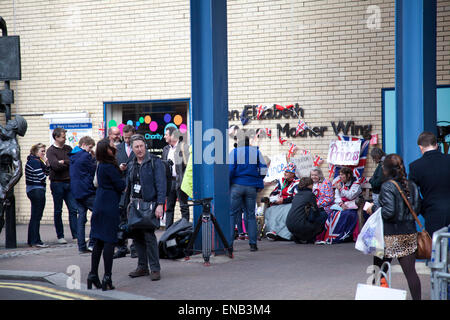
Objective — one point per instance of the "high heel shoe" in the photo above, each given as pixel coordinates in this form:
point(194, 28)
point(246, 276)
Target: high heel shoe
point(107, 283)
point(93, 279)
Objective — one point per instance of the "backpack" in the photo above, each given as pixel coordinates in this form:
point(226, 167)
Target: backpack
point(168, 164)
point(175, 239)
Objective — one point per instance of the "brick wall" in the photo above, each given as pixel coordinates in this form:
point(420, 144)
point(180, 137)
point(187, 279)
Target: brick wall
point(320, 54)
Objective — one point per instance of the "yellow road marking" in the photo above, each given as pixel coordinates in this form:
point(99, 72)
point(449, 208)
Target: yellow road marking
point(49, 290)
point(35, 292)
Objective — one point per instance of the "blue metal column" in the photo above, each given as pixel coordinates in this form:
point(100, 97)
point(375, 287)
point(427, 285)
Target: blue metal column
point(210, 108)
point(415, 73)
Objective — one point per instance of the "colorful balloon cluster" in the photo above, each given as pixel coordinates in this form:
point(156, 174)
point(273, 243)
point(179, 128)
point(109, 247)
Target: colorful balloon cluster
point(153, 125)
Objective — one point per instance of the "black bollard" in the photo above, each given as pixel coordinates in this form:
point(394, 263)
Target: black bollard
point(10, 223)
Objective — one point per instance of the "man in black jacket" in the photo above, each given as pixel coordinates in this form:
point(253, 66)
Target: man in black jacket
point(124, 155)
point(178, 152)
point(146, 180)
point(431, 173)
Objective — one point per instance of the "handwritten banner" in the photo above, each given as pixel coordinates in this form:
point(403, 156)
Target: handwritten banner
point(276, 168)
point(304, 164)
point(344, 153)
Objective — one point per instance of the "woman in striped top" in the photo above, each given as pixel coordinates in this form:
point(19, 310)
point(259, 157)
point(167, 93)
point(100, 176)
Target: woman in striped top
point(36, 172)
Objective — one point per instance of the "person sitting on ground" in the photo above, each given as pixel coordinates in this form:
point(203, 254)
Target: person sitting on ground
point(322, 189)
point(280, 200)
point(286, 187)
point(342, 221)
point(305, 219)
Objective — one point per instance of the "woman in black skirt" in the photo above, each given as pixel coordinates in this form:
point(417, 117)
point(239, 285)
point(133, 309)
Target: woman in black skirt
point(400, 233)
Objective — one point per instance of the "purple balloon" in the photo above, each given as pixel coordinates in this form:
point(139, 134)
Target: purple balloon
point(167, 118)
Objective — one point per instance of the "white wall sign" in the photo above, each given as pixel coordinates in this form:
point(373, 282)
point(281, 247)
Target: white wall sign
point(344, 153)
point(75, 131)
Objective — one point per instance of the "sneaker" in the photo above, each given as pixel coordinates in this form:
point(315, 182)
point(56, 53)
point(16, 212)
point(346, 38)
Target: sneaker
point(241, 236)
point(62, 241)
point(84, 251)
point(271, 235)
point(138, 273)
point(155, 275)
point(246, 236)
point(40, 245)
point(90, 248)
point(319, 242)
point(253, 247)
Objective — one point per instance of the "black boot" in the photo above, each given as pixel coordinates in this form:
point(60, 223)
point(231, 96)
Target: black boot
point(93, 279)
point(107, 283)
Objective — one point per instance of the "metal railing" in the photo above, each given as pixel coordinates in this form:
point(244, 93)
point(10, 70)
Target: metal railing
point(440, 275)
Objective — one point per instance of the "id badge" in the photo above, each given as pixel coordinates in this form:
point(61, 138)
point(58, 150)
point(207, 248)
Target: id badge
point(137, 188)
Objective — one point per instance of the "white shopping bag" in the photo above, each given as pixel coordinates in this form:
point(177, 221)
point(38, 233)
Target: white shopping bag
point(368, 292)
point(371, 238)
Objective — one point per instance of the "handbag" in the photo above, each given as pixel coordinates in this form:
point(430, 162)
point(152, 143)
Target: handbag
point(141, 215)
point(424, 242)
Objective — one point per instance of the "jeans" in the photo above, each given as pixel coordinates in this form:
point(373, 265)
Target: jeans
point(37, 198)
point(147, 250)
point(83, 205)
point(243, 198)
point(171, 201)
point(61, 192)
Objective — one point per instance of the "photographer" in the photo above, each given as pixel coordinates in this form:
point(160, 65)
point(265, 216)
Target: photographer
point(146, 182)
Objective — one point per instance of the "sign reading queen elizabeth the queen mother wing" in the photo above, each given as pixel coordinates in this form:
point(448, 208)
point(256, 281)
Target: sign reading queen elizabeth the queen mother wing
point(344, 153)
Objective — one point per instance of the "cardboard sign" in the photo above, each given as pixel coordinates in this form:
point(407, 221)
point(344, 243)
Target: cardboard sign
point(304, 164)
point(344, 153)
point(276, 168)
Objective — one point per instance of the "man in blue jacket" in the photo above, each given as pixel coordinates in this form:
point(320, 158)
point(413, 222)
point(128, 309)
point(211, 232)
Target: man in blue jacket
point(82, 172)
point(247, 171)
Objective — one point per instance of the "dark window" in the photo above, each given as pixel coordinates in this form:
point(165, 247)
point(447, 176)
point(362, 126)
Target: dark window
point(150, 119)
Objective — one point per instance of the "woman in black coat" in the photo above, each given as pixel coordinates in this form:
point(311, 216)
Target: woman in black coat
point(106, 214)
point(305, 220)
point(399, 228)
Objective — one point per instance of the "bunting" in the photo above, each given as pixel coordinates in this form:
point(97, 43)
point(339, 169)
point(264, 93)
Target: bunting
point(317, 161)
point(291, 150)
point(301, 126)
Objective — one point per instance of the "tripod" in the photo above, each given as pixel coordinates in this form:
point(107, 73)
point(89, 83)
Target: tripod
point(206, 219)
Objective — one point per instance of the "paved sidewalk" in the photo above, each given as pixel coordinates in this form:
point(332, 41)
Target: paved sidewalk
point(279, 270)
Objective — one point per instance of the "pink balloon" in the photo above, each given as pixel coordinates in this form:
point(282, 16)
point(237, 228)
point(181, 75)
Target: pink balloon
point(120, 126)
point(183, 128)
point(153, 126)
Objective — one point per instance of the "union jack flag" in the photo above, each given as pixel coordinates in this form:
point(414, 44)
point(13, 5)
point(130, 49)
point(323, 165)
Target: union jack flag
point(291, 150)
point(282, 141)
point(331, 169)
point(269, 132)
point(358, 170)
point(300, 127)
point(317, 161)
point(261, 109)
